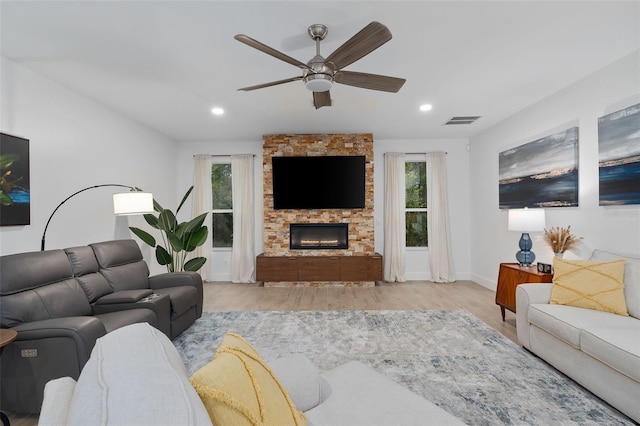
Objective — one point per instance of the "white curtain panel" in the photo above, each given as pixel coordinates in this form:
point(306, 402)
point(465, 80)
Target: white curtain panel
point(201, 203)
point(438, 220)
point(394, 220)
point(243, 256)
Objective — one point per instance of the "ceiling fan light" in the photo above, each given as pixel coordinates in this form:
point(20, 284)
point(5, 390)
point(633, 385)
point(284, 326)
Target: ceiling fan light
point(318, 82)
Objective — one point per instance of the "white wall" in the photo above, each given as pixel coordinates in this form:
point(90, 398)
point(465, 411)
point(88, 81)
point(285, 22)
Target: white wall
point(75, 143)
point(615, 228)
point(417, 260)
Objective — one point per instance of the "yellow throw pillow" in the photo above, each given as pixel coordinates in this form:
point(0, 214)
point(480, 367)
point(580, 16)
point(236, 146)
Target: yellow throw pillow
point(238, 388)
point(589, 284)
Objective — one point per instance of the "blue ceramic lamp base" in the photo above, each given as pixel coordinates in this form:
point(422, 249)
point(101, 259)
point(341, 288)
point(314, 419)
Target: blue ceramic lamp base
point(525, 256)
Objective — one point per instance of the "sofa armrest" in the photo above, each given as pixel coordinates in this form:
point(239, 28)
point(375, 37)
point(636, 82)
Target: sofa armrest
point(526, 295)
point(160, 304)
point(84, 331)
point(176, 279)
point(124, 296)
point(57, 399)
point(45, 350)
point(300, 378)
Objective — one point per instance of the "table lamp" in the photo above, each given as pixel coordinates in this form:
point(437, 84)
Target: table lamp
point(526, 220)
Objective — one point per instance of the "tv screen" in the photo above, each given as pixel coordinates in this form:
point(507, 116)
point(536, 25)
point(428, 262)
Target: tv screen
point(329, 182)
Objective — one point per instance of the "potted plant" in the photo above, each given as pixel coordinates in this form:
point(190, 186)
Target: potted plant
point(179, 239)
point(560, 239)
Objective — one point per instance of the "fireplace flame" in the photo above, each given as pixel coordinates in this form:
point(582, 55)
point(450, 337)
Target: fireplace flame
point(318, 242)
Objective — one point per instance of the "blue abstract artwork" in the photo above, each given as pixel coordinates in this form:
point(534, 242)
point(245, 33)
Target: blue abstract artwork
point(619, 157)
point(15, 198)
point(541, 173)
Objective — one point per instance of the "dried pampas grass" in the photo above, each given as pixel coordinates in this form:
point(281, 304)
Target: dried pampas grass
point(560, 239)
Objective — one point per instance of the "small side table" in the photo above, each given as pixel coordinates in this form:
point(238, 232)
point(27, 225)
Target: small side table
point(509, 277)
point(7, 336)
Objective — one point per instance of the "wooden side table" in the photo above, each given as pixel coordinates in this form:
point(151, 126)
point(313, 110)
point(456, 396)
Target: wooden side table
point(7, 336)
point(509, 277)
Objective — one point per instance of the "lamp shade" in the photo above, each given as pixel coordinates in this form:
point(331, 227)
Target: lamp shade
point(131, 203)
point(526, 220)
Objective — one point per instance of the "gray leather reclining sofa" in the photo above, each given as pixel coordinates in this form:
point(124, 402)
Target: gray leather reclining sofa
point(61, 301)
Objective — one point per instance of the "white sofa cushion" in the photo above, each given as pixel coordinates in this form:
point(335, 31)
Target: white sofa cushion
point(55, 406)
point(362, 396)
point(631, 277)
point(567, 322)
point(129, 383)
point(615, 347)
point(300, 378)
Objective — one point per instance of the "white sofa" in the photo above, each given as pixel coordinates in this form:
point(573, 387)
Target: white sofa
point(599, 350)
point(135, 376)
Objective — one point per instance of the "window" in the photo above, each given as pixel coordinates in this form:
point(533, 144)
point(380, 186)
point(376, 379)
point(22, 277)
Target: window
point(222, 206)
point(416, 203)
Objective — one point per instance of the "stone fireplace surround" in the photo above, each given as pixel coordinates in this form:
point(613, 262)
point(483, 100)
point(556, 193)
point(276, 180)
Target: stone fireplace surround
point(277, 223)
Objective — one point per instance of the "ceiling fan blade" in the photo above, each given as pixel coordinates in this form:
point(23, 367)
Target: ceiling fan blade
point(270, 51)
point(273, 83)
point(369, 81)
point(364, 42)
point(321, 99)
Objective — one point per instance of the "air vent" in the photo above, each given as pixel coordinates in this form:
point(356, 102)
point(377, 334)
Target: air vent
point(461, 120)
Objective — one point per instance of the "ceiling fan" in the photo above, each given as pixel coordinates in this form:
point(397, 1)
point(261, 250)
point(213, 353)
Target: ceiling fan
point(319, 73)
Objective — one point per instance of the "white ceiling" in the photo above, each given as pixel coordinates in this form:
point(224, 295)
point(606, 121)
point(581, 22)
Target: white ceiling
point(167, 63)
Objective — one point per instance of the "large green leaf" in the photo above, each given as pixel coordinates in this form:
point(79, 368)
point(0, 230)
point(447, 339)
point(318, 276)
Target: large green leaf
point(194, 264)
point(167, 221)
point(176, 242)
point(151, 220)
point(7, 160)
point(181, 230)
point(196, 223)
point(144, 236)
point(5, 200)
point(197, 239)
point(162, 256)
point(184, 199)
point(157, 207)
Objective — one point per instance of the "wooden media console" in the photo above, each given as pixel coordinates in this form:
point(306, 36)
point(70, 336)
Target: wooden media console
point(361, 271)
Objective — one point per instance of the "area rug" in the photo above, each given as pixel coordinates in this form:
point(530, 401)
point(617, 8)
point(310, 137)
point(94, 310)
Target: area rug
point(450, 357)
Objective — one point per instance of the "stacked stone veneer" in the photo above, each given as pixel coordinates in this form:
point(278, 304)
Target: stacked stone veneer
point(276, 222)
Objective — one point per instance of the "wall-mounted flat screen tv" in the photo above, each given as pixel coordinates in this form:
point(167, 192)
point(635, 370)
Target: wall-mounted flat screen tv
point(327, 182)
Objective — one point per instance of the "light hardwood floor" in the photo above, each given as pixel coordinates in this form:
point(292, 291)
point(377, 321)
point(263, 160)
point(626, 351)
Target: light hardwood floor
point(466, 295)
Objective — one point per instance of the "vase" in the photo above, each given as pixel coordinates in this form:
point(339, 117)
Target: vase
point(559, 255)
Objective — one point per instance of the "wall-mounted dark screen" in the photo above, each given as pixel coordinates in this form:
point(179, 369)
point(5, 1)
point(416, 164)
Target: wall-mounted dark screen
point(328, 182)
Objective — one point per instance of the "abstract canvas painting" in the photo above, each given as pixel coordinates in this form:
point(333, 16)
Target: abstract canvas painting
point(619, 157)
point(15, 199)
point(541, 173)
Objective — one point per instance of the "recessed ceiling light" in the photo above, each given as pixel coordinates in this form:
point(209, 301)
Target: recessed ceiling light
point(426, 107)
point(217, 111)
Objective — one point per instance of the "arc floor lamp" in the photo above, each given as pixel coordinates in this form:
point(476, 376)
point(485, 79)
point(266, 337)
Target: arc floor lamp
point(133, 202)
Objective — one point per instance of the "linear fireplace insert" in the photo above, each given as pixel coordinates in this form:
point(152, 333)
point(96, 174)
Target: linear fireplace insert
point(318, 236)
